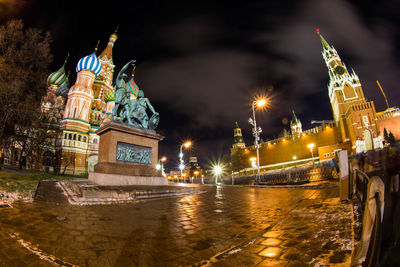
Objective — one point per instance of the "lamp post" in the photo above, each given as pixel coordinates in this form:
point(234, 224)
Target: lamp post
point(256, 132)
point(163, 159)
point(311, 147)
point(195, 175)
point(181, 162)
point(217, 171)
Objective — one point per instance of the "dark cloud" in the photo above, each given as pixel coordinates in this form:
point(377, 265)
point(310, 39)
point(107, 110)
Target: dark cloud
point(211, 87)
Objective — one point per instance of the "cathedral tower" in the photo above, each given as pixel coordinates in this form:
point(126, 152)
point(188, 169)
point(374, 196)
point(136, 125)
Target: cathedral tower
point(75, 127)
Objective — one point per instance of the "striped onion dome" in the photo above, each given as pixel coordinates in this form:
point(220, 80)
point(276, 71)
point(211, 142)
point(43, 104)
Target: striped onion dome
point(110, 95)
point(132, 87)
point(57, 78)
point(63, 89)
point(91, 63)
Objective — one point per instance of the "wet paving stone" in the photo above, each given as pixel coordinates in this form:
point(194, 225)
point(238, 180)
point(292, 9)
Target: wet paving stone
point(257, 227)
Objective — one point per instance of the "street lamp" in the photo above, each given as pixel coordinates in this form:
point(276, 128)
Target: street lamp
point(187, 144)
point(257, 130)
point(163, 159)
point(311, 147)
point(217, 171)
point(195, 175)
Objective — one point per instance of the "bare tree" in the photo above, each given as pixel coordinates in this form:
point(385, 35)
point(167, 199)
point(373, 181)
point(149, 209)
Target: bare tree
point(68, 158)
point(25, 58)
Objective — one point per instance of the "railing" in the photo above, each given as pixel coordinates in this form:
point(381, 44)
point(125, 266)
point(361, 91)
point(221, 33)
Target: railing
point(371, 194)
point(372, 258)
point(297, 175)
point(360, 180)
point(380, 239)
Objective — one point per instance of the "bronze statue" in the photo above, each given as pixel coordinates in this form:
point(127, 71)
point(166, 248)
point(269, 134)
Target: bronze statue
point(138, 107)
point(122, 94)
point(134, 111)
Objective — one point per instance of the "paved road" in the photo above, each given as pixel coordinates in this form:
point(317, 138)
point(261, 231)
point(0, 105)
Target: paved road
point(226, 225)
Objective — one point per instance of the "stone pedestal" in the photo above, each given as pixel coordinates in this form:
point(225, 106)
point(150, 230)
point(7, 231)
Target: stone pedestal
point(127, 156)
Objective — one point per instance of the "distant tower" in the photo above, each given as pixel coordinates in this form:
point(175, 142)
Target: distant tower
point(295, 126)
point(237, 137)
point(356, 117)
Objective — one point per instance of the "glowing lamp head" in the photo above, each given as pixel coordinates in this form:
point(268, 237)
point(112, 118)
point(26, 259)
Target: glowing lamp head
point(196, 172)
point(181, 167)
point(158, 167)
point(253, 159)
point(217, 170)
point(261, 102)
point(187, 144)
point(311, 146)
point(164, 159)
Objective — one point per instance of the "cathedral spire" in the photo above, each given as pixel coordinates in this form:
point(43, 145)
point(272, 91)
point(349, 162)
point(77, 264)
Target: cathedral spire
point(107, 52)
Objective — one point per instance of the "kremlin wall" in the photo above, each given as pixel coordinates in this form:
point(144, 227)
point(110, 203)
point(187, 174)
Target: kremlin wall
point(356, 126)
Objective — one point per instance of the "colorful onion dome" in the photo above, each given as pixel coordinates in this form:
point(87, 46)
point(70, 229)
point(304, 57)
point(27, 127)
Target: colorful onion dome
point(91, 63)
point(63, 89)
point(57, 78)
point(110, 95)
point(132, 87)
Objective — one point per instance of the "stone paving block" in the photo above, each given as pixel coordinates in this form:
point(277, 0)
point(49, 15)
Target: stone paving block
point(274, 234)
point(271, 242)
point(272, 262)
point(271, 252)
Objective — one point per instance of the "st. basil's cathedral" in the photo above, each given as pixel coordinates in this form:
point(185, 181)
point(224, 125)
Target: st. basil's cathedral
point(76, 112)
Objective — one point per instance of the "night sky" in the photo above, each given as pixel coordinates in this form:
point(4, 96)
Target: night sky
point(201, 63)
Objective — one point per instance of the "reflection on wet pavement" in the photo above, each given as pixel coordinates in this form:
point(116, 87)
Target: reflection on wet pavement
point(227, 225)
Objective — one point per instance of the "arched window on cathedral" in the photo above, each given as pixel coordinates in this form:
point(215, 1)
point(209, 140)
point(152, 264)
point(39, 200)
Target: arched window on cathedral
point(84, 139)
point(79, 138)
point(74, 136)
point(65, 136)
point(95, 141)
point(74, 112)
point(70, 136)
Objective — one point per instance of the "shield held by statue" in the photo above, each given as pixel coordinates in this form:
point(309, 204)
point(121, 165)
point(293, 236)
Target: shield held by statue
point(154, 120)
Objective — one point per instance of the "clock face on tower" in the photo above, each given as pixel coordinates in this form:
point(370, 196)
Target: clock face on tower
point(339, 70)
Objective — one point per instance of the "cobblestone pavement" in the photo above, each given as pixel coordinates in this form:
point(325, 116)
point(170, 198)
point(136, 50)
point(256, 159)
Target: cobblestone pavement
point(226, 225)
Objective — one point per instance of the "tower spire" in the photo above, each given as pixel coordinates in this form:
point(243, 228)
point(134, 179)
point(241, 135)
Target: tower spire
point(98, 42)
point(66, 59)
point(325, 44)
